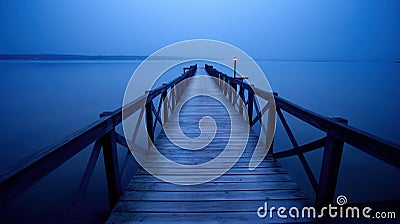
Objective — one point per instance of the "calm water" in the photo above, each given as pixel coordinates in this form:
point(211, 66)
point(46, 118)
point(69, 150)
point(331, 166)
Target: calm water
point(43, 101)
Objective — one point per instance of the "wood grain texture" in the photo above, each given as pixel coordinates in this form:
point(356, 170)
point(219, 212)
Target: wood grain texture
point(231, 198)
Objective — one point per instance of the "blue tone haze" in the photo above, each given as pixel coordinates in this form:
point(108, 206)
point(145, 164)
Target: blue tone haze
point(334, 57)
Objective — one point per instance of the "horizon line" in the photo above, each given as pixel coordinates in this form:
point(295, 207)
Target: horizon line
point(52, 56)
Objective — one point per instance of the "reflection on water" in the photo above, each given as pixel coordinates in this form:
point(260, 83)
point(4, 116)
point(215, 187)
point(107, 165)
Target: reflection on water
point(43, 101)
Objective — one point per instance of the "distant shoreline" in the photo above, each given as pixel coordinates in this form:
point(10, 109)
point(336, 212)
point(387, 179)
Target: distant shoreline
point(51, 57)
point(40, 57)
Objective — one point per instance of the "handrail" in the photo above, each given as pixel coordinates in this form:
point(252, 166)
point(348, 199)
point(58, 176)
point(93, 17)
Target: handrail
point(189, 72)
point(31, 169)
point(153, 114)
point(337, 132)
point(241, 87)
point(377, 147)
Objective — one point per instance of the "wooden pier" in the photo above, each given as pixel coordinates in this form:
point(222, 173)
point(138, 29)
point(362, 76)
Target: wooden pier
point(233, 197)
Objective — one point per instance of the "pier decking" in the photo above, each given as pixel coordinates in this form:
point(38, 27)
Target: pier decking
point(231, 198)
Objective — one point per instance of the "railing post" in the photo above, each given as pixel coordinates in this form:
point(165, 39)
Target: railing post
point(234, 89)
point(165, 106)
point(183, 84)
point(250, 103)
point(225, 86)
point(178, 92)
point(172, 95)
point(111, 166)
point(271, 148)
point(241, 95)
point(149, 122)
point(221, 81)
point(230, 91)
point(329, 169)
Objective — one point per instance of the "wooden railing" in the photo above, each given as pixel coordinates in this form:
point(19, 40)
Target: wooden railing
point(337, 132)
point(102, 134)
point(167, 104)
point(234, 88)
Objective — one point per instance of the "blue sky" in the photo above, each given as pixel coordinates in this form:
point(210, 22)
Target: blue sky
point(345, 29)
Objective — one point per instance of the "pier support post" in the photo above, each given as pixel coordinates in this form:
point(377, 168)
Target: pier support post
point(250, 101)
point(225, 86)
point(234, 93)
point(230, 92)
point(165, 105)
point(241, 95)
point(271, 148)
point(172, 95)
point(330, 168)
point(149, 121)
point(111, 166)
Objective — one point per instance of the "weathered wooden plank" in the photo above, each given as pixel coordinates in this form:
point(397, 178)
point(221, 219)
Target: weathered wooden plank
point(211, 152)
point(210, 171)
point(206, 206)
point(264, 164)
point(194, 161)
point(212, 195)
point(180, 178)
point(214, 186)
point(209, 156)
point(211, 218)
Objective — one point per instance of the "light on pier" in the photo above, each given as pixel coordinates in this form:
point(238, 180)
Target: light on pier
point(234, 66)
